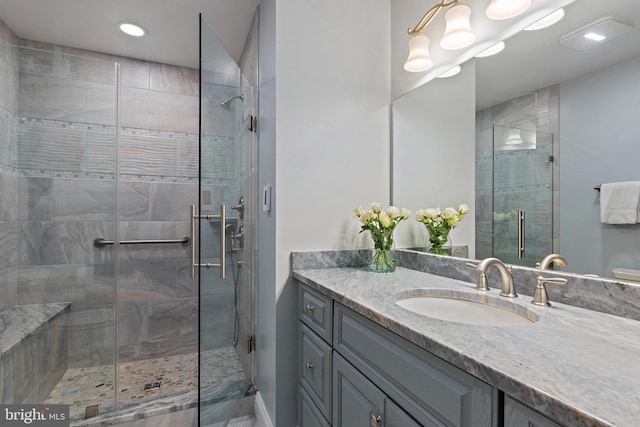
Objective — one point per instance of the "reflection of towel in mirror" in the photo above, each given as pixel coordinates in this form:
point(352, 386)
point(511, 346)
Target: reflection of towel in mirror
point(620, 202)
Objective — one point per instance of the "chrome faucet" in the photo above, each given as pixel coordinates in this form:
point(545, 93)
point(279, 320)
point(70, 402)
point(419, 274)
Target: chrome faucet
point(508, 288)
point(541, 297)
point(551, 258)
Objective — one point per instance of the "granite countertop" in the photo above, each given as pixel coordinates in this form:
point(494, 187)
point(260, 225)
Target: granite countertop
point(577, 366)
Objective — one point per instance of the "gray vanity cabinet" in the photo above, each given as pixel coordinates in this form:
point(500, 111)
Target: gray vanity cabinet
point(353, 372)
point(357, 402)
point(429, 390)
point(315, 364)
point(516, 414)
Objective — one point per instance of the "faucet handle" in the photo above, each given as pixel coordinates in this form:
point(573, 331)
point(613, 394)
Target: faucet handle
point(540, 297)
point(481, 284)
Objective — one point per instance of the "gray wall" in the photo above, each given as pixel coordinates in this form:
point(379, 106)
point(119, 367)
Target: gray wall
point(600, 132)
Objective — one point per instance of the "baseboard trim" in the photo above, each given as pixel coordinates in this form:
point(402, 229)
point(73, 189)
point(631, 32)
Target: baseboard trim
point(262, 417)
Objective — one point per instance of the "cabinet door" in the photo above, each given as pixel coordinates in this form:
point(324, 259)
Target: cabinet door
point(516, 415)
point(314, 369)
point(308, 413)
point(394, 416)
point(356, 401)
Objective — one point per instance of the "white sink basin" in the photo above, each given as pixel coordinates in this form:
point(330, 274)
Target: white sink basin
point(474, 308)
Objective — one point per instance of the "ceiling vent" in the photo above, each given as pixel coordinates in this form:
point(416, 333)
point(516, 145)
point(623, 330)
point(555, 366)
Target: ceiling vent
point(596, 34)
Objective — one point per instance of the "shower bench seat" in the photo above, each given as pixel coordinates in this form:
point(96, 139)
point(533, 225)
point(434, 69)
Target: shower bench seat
point(33, 351)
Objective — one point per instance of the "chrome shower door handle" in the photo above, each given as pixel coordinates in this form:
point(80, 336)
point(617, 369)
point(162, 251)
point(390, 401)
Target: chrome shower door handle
point(223, 239)
point(192, 233)
point(520, 234)
point(223, 236)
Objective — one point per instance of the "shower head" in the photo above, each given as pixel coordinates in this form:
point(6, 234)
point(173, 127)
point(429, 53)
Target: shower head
point(226, 104)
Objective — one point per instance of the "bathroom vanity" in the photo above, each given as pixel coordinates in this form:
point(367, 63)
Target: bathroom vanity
point(366, 361)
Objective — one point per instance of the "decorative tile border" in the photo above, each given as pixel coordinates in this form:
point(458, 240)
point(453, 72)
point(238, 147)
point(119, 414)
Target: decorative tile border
point(124, 131)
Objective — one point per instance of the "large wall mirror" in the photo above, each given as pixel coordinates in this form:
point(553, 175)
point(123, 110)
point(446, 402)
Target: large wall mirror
point(536, 129)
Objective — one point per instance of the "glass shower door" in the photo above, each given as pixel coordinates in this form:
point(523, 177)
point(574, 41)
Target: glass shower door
point(221, 219)
point(522, 195)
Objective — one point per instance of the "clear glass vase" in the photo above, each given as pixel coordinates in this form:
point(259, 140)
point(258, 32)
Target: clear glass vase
point(382, 261)
point(439, 242)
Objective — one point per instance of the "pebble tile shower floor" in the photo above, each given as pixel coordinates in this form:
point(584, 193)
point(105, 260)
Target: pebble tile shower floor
point(82, 387)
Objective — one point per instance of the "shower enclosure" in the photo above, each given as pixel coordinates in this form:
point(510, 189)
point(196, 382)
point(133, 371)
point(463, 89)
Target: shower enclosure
point(522, 195)
point(100, 161)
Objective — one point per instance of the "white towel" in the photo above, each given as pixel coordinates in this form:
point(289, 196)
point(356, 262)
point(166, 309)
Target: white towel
point(620, 202)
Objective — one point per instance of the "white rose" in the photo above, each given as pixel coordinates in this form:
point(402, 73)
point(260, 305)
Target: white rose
point(431, 213)
point(376, 207)
point(394, 212)
point(385, 220)
point(405, 213)
point(449, 213)
point(365, 217)
point(463, 209)
point(358, 211)
point(420, 215)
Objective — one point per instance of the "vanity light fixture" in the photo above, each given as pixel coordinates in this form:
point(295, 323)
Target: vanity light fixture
point(493, 50)
point(506, 9)
point(451, 72)
point(547, 21)
point(132, 29)
point(457, 34)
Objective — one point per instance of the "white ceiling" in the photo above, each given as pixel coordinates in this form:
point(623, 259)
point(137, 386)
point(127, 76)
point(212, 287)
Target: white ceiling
point(534, 60)
point(172, 25)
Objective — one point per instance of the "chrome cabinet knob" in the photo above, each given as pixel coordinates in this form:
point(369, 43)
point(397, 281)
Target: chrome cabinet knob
point(375, 420)
point(309, 309)
point(308, 366)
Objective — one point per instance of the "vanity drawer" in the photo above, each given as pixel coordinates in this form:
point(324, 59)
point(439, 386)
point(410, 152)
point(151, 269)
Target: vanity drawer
point(315, 311)
point(516, 414)
point(314, 369)
point(428, 388)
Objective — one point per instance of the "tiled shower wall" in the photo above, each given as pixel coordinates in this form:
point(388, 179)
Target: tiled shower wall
point(247, 186)
point(8, 163)
point(63, 179)
point(538, 112)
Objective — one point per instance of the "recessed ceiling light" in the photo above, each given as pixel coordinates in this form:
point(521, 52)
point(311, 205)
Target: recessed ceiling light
point(496, 48)
point(595, 37)
point(132, 29)
point(547, 21)
point(451, 72)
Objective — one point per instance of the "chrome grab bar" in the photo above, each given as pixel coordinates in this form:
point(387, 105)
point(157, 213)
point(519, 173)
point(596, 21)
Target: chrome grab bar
point(101, 243)
point(520, 234)
point(223, 231)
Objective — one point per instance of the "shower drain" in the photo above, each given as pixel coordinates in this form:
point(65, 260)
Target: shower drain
point(152, 386)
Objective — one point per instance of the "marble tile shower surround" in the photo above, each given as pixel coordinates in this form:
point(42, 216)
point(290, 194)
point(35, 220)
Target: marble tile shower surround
point(598, 294)
point(61, 175)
